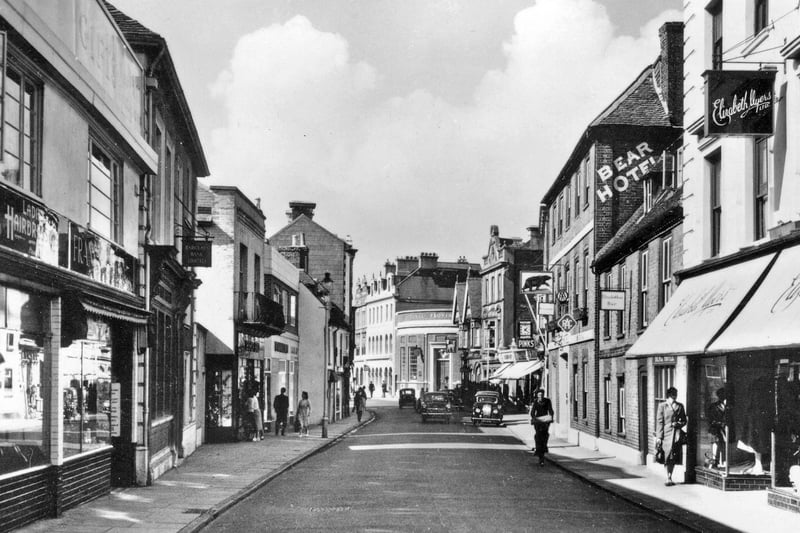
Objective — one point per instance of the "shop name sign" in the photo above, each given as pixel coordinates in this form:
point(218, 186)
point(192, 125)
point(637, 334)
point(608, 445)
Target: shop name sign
point(93, 256)
point(196, 253)
point(28, 227)
point(739, 102)
point(632, 166)
point(423, 315)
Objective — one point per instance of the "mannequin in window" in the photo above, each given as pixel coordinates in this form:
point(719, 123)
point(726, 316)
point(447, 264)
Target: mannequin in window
point(755, 435)
point(720, 427)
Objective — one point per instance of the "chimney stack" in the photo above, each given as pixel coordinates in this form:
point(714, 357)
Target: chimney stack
point(536, 239)
point(428, 260)
point(406, 264)
point(301, 208)
point(670, 77)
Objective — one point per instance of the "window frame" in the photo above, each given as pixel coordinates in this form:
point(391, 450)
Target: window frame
point(621, 405)
point(114, 195)
point(621, 329)
point(760, 15)
point(761, 171)
point(665, 275)
point(607, 403)
point(644, 286)
point(714, 163)
point(715, 11)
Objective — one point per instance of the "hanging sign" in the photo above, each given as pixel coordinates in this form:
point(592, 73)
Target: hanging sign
point(612, 300)
point(196, 253)
point(739, 102)
point(536, 282)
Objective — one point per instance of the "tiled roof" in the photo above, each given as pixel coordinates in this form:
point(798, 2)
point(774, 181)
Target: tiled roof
point(638, 105)
point(475, 301)
point(132, 28)
point(641, 228)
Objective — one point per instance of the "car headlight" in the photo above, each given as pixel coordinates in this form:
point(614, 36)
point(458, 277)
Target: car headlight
point(447, 406)
point(494, 411)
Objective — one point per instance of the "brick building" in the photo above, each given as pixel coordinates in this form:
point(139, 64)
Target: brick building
point(599, 188)
point(321, 254)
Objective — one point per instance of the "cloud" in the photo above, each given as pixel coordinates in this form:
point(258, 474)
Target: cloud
point(414, 172)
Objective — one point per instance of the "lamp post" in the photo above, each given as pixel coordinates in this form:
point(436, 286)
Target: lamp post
point(327, 284)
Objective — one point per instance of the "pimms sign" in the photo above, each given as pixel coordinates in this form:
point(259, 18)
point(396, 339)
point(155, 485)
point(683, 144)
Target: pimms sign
point(739, 102)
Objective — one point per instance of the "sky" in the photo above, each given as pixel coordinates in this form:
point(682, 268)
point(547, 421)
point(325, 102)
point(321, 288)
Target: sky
point(414, 125)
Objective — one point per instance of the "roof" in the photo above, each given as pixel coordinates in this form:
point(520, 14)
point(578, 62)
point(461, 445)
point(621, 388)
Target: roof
point(139, 36)
point(638, 106)
point(641, 228)
point(475, 298)
point(299, 218)
point(458, 298)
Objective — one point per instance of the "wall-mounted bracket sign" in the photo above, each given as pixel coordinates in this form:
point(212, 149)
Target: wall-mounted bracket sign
point(196, 253)
point(739, 102)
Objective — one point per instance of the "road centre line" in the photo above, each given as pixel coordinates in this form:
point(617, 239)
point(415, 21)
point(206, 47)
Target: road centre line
point(438, 446)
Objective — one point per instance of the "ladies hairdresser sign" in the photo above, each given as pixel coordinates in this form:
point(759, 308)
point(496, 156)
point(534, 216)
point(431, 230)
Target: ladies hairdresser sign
point(739, 102)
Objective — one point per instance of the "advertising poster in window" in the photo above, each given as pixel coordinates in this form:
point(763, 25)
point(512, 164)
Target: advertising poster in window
point(86, 253)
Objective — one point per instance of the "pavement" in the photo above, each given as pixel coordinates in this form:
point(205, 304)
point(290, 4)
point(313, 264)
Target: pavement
point(217, 476)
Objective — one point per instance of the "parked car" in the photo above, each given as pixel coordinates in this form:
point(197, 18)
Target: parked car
point(436, 405)
point(488, 407)
point(407, 397)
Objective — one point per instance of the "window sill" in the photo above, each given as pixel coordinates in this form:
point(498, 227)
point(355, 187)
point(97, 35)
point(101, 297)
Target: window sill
point(620, 336)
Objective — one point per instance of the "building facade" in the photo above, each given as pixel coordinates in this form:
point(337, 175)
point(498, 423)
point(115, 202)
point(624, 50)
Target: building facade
point(597, 191)
point(323, 255)
point(735, 303)
point(73, 310)
point(236, 315)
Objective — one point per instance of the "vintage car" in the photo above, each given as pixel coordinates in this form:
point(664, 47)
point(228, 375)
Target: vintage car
point(436, 405)
point(488, 407)
point(407, 397)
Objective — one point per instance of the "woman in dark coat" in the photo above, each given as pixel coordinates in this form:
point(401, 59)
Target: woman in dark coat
point(541, 418)
point(670, 417)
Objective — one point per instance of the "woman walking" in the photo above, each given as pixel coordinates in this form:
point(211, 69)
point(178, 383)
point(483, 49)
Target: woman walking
point(670, 418)
point(541, 418)
point(304, 412)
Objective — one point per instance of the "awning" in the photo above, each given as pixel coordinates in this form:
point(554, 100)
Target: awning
point(771, 317)
point(498, 373)
point(114, 311)
point(699, 309)
point(520, 370)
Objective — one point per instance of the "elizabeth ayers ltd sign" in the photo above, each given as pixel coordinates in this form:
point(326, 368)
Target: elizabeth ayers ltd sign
point(739, 102)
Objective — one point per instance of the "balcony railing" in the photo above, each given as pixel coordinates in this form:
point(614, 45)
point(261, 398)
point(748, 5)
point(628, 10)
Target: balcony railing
point(259, 316)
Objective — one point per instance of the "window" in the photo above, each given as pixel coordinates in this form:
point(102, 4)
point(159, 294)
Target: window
point(553, 222)
point(621, 330)
point(560, 214)
point(606, 313)
point(576, 286)
point(104, 201)
point(586, 181)
point(714, 171)
point(621, 404)
point(607, 403)
point(647, 192)
point(716, 35)
point(585, 387)
point(298, 239)
point(256, 273)
point(665, 287)
point(567, 281)
point(761, 15)
point(567, 206)
point(679, 167)
point(586, 279)
point(761, 183)
point(22, 130)
point(578, 186)
point(575, 390)
point(644, 266)
point(664, 376)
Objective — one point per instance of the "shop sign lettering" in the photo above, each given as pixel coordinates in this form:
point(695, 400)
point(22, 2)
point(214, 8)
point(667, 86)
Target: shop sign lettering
point(93, 256)
point(632, 166)
point(739, 102)
point(28, 227)
point(696, 305)
point(788, 297)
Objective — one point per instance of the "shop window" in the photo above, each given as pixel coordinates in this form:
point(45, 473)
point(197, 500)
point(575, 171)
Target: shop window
point(104, 193)
point(22, 103)
point(161, 371)
point(621, 405)
point(664, 378)
point(22, 397)
point(86, 373)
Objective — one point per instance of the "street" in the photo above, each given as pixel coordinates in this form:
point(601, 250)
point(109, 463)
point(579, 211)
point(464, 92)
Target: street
point(398, 474)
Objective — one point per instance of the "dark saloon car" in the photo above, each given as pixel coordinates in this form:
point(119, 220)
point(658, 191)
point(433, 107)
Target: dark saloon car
point(488, 408)
point(407, 397)
point(436, 405)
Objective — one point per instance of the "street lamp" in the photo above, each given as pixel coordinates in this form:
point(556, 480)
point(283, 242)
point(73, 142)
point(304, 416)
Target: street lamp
point(327, 285)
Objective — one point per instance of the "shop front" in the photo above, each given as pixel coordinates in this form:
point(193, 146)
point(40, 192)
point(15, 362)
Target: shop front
point(736, 327)
point(69, 330)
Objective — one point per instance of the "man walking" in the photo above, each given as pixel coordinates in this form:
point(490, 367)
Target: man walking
point(371, 388)
point(281, 406)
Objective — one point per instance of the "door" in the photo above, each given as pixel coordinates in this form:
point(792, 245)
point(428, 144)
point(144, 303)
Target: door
point(219, 402)
point(562, 388)
point(644, 401)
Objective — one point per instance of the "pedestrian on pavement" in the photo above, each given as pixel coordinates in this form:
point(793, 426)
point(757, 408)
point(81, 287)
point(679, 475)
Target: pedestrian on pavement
point(371, 388)
point(303, 412)
point(361, 403)
point(281, 406)
point(254, 411)
point(670, 418)
point(383, 388)
point(541, 418)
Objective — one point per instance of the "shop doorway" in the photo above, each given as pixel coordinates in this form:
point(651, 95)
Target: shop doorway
point(219, 401)
point(123, 460)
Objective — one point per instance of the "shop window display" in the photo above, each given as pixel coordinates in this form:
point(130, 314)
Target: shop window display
point(787, 430)
point(22, 359)
point(86, 388)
